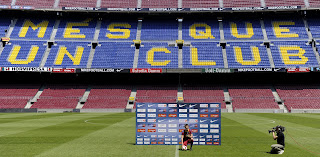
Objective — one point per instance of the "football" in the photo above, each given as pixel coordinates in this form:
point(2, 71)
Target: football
point(184, 147)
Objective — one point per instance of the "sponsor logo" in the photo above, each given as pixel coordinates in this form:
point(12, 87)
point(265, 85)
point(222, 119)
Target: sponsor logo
point(141, 115)
point(152, 110)
point(152, 105)
point(166, 136)
point(209, 143)
point(162, 105)
point(153, 142)
point(183, 120)
point(193, 125)
point(194, 130)
point(162, 115)
point(140, 105)
point(146, 142)
point(141, 120)
point(152, 120)
point(204, 115)
point(214, 105)
point(181, 130)
point(204, 110)
point(191, 106)
point(202, 143)
point(214, 130)
point(161, 136)
point(214, 115)
point(209, 139)
point(216, 143)
point(141, 125)
point(203, 125)
point(172, 125)
point(202, 139)
point(172, 110)
point(174, 143)
point(193, 115)
point(152, 115)
point(172, 115)
point(202, 136)
point(203, 130)
point(202, 121)
point(171, 120)
point(183, 110)
point(172, 105)
point(145, 70)
point(139, 139)
point(152, 125)
point(160, 120)
point(209, 136)
point(162, 110)
point(141, 110)
point(214, 125)
point(139, 135)
point(145, 136)
point(183, 115)
point(193, 110)
point(141, 130)
point(153, 136)
point(181, 125)
point(174, 139)
point(215, 110)
point(216, 140)
point(162, 125)
point(195, 139)
point(167, 142)
point(167, 139)
point(193, 120)
point(203, 105)
point(182, 105)
point(216, 136)
point(151, 130)
point(195, 143)
point(160, 142)
point(172, 130)
point(162, 130)
point(212, 121)
point(139, 142)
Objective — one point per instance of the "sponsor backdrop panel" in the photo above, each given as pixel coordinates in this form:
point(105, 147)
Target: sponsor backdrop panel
point(163, 123)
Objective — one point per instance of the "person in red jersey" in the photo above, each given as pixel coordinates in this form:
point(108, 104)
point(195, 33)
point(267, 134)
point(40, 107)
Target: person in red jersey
point(186, 137)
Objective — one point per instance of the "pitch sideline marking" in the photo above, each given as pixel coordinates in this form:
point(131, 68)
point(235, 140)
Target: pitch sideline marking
point(177, 151)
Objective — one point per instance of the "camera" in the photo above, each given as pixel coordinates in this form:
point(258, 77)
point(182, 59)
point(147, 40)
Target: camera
point(279, 127)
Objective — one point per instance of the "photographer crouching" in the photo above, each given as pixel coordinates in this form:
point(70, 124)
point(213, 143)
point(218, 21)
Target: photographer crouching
point(279, 147)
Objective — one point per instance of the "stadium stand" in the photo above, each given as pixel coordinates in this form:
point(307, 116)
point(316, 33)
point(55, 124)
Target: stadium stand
point(35, 28)
point(43, 4)
point(200, 29)
point(314, 3)
point(76, 29)
point(78, 3)
point(161, 30)
point(200, 4)
point(247, 55)
point(4, 25)
point(203, 93)
point(156, 94)
point(113, 55)
point(157, 55)
point(59, 97)
point(273, 3)
point(203, 55)
point(119, 4)
point(293, 54)
point(299, 96)
point(314, 26)
point(125, 29)
point(108, 97)
point(22, 54)
point(241, 3)
point(254, 97)
point(242, 29)
point(69, 55)
point(16, 96)
point(159, 4)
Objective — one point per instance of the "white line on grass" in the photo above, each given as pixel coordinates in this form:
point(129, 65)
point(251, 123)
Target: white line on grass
point(177, 151)
point(271, 121)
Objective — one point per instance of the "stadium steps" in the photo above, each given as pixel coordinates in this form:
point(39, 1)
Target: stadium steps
point(307, 28)
point(180, 3)
point(54, 30)
point(98, 4)
point(264, 32)
point(13, 2)
point(180, 54)
point(221, 3)
point(270, 57)
point(263, 3)
point(35, 98)
point(83, 98)
point(278, 100)
point(180, 92)
point(139, 4)
point(13, 23)
point(316, 52)
point(227, 99)
point(222, 40)
point(136, 52)
point(95, 40)
point(306, 3)
point(133, 94)
point(56, 4)
point(45, 57)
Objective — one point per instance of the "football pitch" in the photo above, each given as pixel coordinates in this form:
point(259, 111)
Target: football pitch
point(113, 134)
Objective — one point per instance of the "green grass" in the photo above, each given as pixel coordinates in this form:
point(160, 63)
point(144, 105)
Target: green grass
point(113, 134)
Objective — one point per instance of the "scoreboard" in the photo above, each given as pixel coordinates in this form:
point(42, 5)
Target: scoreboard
point(163, 123)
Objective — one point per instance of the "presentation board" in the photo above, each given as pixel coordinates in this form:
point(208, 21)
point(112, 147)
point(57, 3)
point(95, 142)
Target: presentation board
point(163, 123)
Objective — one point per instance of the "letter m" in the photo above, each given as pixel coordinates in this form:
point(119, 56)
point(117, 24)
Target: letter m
point(28, 23)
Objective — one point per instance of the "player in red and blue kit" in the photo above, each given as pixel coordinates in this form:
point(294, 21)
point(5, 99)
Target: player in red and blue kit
point(187, 136)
